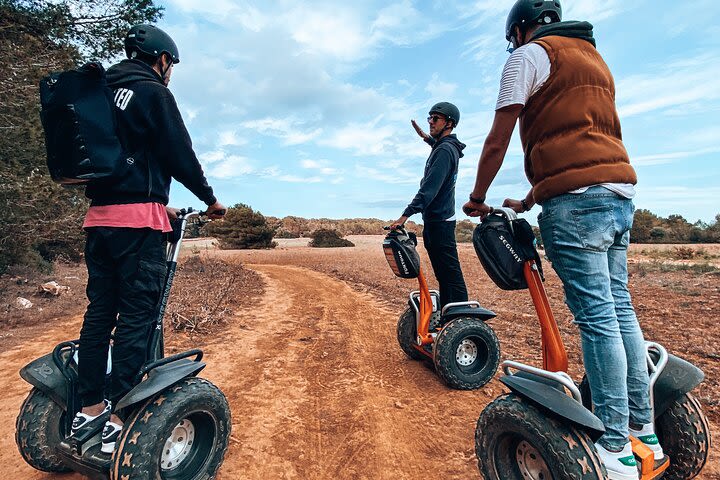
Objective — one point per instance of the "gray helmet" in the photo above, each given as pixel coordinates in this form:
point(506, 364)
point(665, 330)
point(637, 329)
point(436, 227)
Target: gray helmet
point(527, 12)
point(447, 109)
point(150, 41)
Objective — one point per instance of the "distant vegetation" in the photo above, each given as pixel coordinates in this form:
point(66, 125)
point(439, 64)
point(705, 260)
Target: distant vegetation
point(649, 228)
point(297, 227)
point(325, 238)
point(242, 228)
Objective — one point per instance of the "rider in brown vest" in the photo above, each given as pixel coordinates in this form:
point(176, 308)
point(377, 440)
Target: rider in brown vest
point(563, 93)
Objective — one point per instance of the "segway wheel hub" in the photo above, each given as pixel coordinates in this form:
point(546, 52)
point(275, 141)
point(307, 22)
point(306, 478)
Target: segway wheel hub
point(531, 463)
point(178, 445)
point(467, 352)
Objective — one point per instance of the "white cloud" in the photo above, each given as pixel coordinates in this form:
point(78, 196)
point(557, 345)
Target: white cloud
point(322, 167)
point(665, 158)
point(230, 138)
point(230, 166)
point(674, 84)
point(594, 11)
point(439, 88)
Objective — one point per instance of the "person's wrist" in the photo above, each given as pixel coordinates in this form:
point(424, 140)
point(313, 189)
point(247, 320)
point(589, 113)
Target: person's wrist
point(524, 204)
point(477, 199)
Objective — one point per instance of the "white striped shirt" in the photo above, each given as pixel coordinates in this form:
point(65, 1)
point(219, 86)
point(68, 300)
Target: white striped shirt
point(527, 69)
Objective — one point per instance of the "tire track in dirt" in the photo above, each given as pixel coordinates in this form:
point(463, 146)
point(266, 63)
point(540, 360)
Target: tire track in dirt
point(317, 386)
point(319, 389)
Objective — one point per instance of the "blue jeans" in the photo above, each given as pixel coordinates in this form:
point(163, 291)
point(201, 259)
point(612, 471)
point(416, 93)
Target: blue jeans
point(586, 237)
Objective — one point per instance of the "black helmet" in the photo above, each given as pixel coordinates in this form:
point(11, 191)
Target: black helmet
point(150, 41)
point(450, 111)
point(527, 12)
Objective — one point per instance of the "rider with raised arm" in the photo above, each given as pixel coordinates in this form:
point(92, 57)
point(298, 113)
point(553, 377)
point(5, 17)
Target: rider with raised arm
point(126, 225)
point(436, 201)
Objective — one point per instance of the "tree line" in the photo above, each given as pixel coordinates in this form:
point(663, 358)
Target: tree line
point(39, 220)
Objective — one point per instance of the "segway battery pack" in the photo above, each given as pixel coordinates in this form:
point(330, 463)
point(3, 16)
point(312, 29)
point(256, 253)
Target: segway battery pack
point(401, 255)
point(503, 246)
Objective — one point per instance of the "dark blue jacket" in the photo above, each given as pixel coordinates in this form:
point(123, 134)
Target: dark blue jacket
point(436, 197)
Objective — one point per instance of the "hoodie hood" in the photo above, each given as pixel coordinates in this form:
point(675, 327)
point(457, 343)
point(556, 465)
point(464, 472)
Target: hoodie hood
point(453, 140)
point(129, 71)
point(581, 30)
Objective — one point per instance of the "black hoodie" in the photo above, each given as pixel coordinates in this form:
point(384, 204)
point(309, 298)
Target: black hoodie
point(572, 29)
point(154, 135)
point(436, 197)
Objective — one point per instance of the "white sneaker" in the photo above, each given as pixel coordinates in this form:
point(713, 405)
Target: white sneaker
point(110, 434)
point(620, 465)
point(82, 419)
point(647, 436)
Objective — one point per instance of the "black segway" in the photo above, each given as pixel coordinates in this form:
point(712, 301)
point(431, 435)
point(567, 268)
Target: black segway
point(545, 429)
point(463, 347)
point(177, 427)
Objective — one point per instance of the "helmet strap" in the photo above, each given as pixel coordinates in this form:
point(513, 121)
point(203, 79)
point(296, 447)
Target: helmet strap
point(164, 68)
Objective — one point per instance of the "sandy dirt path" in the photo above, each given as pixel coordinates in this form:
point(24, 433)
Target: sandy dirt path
point(317, 386)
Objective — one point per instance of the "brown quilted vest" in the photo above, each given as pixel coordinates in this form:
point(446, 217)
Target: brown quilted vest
point(570, 129)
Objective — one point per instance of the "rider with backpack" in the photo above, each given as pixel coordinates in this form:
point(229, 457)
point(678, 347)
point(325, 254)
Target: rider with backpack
point(127, 221)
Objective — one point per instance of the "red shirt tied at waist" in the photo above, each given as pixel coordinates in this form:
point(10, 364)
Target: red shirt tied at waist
point(131, 215)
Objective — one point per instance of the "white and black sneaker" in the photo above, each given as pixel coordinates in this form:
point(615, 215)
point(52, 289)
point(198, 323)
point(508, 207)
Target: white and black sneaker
point(82, 419)
point(110, 434)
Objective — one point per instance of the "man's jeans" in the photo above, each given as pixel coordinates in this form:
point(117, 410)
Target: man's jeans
point(439, 240)
point(586, 238)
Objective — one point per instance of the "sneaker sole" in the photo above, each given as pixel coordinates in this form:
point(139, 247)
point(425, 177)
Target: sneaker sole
point(107, 447)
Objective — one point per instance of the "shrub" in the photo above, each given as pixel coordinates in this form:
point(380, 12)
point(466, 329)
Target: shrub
point(464, 231)
point(242, 228)
point(324, 237)
point(282, 233)
point(684, 253)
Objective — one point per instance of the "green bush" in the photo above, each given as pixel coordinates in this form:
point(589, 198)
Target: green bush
point(324, 237)
point(464, 231)
point(242, 228)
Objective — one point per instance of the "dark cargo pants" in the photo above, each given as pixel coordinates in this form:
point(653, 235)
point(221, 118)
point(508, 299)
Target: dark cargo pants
point(439, 239)
point(126, 273)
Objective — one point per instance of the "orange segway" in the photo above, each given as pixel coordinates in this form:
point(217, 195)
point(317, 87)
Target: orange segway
point(545, 429)
point(456, 338)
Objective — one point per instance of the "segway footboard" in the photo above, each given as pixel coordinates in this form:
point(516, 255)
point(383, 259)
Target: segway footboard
point(548, 391)
point(466, 309)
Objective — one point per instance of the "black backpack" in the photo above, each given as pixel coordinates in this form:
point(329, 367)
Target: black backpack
point(78, 117)
point(503, 245)
point(400, 253)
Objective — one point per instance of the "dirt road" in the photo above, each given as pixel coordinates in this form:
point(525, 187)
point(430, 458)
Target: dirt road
point(318, 389)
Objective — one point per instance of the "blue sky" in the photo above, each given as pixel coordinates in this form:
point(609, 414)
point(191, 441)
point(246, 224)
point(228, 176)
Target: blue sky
point(304, 108)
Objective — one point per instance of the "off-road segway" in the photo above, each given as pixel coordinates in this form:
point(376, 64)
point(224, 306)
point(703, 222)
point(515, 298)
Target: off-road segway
point(177, 425)
point(456, 338)
point(545, 428)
